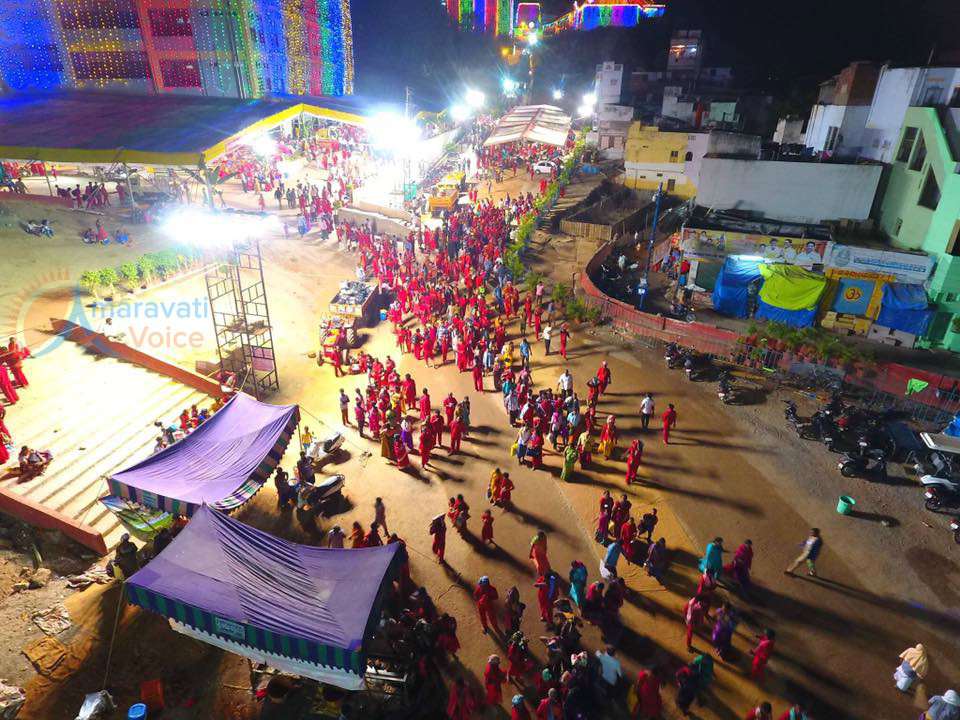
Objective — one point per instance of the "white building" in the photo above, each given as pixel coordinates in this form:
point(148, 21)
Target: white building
point(610, 130)
point(898, 89)
point(807, 192)
point(608, 83)
point(789, 131)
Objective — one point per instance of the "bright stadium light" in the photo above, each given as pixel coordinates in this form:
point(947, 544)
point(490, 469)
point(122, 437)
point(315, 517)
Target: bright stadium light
point(558, 94)
point(392, 132)
point(585, 110)
point(509, 85)
point(196, 226)
point(475, 98)
point(590, 99)
point(459, 112)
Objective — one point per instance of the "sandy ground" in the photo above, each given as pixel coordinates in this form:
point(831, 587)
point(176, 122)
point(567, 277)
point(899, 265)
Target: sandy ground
point(735, 472)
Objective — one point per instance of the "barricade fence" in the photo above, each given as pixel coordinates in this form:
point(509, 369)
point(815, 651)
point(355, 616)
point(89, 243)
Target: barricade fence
point(881, 389)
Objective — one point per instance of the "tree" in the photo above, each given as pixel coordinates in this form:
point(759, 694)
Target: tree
point(145, 268)
point(129, 274)
point(90, 281)
point(108, 279)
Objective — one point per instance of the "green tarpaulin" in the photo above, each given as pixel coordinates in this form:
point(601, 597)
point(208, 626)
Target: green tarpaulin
point(790, 287)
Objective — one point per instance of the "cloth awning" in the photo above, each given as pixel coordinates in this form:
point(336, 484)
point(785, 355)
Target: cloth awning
point(167, 130)
point(223, 463)
point(304, 609)
point(531, 123)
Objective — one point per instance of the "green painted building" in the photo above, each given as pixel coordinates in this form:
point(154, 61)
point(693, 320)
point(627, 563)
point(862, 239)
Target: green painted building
point(921, 210)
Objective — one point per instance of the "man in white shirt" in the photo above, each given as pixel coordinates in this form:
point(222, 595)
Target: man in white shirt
point(646, 410)
point(547, 337)
point(565, 383)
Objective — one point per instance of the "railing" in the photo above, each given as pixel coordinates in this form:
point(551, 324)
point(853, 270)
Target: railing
point(882, 388)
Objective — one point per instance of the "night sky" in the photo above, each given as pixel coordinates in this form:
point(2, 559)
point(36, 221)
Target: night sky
point(786, 48)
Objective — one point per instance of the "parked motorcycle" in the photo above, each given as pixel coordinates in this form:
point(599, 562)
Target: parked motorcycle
point(697, 367)
point(321, 451)
point(940, 492)
point(869, 464)
point(725, 389)
point(673, 356)
point(955, 526)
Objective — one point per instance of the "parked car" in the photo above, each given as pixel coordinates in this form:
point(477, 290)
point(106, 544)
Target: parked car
point(544, 167)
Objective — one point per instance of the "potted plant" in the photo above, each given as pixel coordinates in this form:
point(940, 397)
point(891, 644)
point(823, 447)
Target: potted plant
point(129, 275)
point(108, 279)
point(90, 281)
point(145, 269)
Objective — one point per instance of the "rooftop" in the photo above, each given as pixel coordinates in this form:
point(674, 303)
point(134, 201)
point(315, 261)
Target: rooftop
point(159, 129)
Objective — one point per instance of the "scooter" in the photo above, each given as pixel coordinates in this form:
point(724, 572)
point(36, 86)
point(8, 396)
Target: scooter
point(790, 413)
point(696, 366)
point(871, 463)
point(940, 492)
point(320, 452)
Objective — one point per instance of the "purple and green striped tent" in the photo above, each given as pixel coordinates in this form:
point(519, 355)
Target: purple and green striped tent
point(302, 609)
point(223, 463)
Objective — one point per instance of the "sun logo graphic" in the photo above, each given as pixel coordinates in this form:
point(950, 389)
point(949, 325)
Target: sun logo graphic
point(28, 313)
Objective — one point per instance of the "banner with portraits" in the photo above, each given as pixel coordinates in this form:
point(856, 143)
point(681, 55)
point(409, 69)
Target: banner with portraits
point(716, 245)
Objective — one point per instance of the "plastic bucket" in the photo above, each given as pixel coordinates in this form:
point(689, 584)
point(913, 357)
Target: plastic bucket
point(137, 712)
point(383, 315)
point(845, 505)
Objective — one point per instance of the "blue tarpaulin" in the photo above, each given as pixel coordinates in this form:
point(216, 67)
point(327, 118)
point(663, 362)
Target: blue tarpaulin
point(730, 291)
point(794, 318)
point(905, 307)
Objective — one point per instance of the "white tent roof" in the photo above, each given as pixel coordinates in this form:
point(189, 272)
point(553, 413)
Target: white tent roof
point(533, 123)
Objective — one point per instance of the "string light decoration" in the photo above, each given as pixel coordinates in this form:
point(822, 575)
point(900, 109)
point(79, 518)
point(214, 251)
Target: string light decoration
point(613, 13)
point(528, 13)
point(234, 48)
point(482, 16)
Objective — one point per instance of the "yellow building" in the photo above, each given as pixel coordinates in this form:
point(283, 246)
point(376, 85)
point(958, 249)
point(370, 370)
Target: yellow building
point(655, 156)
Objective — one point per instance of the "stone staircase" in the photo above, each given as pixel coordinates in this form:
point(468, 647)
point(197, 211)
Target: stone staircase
point(96, 415)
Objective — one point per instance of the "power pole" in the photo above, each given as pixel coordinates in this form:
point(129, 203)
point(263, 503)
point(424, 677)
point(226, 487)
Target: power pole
point(408, 104)
point(650, 244)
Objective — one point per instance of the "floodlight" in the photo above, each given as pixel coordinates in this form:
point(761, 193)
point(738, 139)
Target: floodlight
point(558, 94)
point(475, 98)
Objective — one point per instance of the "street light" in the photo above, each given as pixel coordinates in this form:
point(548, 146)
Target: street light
point(590, 99)
point(509, 85)
point(558, 94)
point(475, 99)
point(533, 38)
point(393, 133)
point(585, 110)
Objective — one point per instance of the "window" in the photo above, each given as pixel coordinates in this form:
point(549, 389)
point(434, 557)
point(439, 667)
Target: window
point(906, 145)
point(930, 195)
point(919, 155)
point(953, 247)
point(688, 157)
point(671, 184)
point(674, 155)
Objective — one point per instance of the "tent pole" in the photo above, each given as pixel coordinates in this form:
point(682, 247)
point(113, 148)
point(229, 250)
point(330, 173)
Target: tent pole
point(133, 202)
point(46, 175)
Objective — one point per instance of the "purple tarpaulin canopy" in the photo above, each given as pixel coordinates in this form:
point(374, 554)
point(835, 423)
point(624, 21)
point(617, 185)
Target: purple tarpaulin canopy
point(222, 463)
point(305, 608)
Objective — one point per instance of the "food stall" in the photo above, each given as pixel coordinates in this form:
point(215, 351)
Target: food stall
point(354, 306)
point(446, 192)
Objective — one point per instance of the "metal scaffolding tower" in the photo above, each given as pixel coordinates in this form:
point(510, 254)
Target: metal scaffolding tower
point(241, 320)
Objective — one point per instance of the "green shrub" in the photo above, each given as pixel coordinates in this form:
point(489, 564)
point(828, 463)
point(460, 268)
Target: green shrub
point(560, 293)
point(146, 268)
point(108, 279)
point(90, 281)
point(129, 274)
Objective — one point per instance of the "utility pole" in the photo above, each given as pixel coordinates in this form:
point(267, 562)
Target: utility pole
point(408, 104)
point(645, 288)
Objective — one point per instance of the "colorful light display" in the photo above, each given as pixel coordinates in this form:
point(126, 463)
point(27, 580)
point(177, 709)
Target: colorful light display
point(482, 16)
point(233, 48)
point(528, 13)
point(613, 13)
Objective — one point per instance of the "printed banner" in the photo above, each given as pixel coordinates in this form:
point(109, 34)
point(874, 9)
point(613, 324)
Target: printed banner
point(905, 267)
point(716, 245)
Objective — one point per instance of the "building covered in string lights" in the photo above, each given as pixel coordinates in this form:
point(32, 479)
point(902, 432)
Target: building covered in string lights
point(495, 17)
point(216, 48)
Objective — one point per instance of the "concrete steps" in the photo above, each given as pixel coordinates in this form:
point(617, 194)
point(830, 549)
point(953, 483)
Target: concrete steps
point(96, 415)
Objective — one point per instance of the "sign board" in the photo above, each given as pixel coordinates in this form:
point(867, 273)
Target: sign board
point(905, 267)
point(716, 245)
point(229, 628)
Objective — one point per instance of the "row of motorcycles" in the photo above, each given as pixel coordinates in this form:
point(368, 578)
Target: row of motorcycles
point(699, 367)
point(865, 443)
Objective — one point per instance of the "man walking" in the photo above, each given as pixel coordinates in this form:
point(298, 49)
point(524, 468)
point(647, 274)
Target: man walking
point(547, 337)
point(646, 410)
point(810, 553)
point(344, 407)
point(669, 418)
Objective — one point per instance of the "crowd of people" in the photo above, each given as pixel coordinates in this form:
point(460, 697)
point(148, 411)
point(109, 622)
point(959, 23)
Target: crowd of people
point(13, 380)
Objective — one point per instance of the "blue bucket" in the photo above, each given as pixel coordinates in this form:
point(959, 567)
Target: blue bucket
point(137, 712)
point(383, 315)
